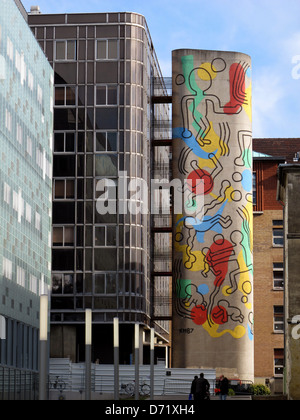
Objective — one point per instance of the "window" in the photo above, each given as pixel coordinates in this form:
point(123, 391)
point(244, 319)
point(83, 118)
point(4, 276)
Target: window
point(65, 119)
point(20, 276)
point(278, 319)
point(64, 189)
point(254, 189)
point(40, 95)
point(106, 165)
point(107, 95)
point(105, 259)
point(107, 49)
point(64, 166)
point(278, 362)
point(105, 284)
point(63, 213)
point(99, 284)
point(7, 193)
point(7, 268)
point(8, 120)
point(10, 49)
point(63, 236)
point(37, 221)
point(65, 95)
point(57, 283)
point(64, 142)
point(30, 80)
point(105, 236)
point(33, 284)
point(18, 204)
point(63, 259)
point(278, 276)
point(29, 146)
point(19, 134)
point(28, 213)
point(106, 118)
point(107, 142)
point(62, 284)
point(278, 233)
point(66, 50)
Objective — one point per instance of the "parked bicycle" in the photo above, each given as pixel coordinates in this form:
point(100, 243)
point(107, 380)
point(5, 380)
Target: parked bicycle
point(57, 383)
point(130, 389)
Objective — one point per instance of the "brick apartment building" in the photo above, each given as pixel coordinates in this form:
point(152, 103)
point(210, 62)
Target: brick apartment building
point(268, 259)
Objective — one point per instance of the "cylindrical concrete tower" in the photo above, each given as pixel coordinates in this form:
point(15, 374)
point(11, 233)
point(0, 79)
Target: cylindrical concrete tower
point(212, 236)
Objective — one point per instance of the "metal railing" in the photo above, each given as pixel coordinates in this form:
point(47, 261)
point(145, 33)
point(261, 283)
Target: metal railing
point(18, 384)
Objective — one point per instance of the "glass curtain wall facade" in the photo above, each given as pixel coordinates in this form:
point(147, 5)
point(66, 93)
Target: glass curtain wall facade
point(104, 65)
point(26, 127)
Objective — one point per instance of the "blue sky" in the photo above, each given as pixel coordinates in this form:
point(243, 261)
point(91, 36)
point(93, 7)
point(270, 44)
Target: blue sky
point(267, 30)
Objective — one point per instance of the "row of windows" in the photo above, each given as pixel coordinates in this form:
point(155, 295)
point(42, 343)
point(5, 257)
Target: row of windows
point(25, 74)
point(21, 208)
point(99, 236)
point(30, 282)
point(103, 95)
point(99, 95)
point(105, 72)
point(102, 49)
point(101, 165)
point(100, 141)
point(86, 213)
point(98, 303)
point(106, 49)
point(97, 30)
point(103, 236)
point(97, 259)
point(25, 140)
point(103, 118)
point(98, 284)
point(127, 315)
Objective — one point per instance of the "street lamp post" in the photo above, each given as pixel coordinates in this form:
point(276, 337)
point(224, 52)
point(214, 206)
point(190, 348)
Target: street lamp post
point(88, 353)
point(43, 348)
point(152, 364)
point(137, 361)
point(116, 358)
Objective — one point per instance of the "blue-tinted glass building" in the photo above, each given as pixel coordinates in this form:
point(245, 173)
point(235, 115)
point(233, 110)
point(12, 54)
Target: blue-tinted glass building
point(26, 126)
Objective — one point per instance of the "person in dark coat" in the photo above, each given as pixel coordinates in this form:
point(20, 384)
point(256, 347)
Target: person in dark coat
point(193, 387)
point(224, 387)
point(202, 391)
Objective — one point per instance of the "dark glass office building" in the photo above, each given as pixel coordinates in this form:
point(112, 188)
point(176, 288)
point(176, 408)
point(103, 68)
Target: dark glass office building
point(105, 67)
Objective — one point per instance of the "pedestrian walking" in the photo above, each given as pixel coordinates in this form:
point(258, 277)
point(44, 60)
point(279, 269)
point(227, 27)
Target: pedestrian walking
point(202, 391)
point(224, 387)
point(193, 388)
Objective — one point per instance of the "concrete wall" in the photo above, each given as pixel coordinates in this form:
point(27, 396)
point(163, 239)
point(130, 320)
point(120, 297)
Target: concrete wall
point(213, 245)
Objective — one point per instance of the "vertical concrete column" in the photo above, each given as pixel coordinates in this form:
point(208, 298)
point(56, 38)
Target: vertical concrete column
point(88, 354)
point(43, 348)
point(152, 361)
point(212, 236)
point(116, 359)
point(137, 360)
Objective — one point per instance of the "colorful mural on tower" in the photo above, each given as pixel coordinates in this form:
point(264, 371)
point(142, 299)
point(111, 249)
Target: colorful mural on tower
point(212, 146)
